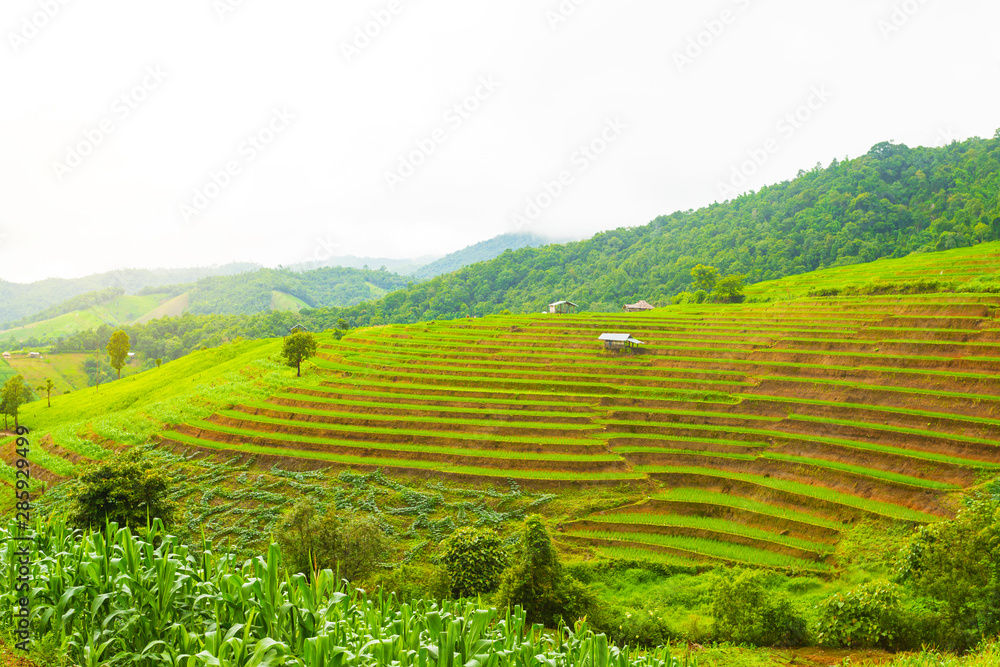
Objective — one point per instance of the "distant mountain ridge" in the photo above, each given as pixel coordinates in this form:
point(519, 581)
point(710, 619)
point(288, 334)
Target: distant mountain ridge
point(22, 300)
point(479, 252)
point(245, 288)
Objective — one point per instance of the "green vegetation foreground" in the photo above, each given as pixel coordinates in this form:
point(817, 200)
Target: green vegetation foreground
point(114, 598)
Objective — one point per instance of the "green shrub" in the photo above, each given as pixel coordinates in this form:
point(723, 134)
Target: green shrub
point(474, 559)
point(957, 563)
point(415, 582)
point(635, 627)
point(867, 616)
point(128, 488)
point(353, 547)
point(748, 611)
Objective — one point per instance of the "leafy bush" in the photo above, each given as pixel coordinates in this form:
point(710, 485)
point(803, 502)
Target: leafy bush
point(474, 559)
point(747, 611)
point(867, 616)
point(129, 489)
point(415, 582)
point(353, 547)
point(536, 580)
point(957, 563)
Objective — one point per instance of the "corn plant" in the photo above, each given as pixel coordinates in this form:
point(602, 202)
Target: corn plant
point(116, 598)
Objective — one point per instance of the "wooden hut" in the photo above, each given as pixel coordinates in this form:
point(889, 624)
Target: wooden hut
point(637, 307)
point(618, 341)
point(561, 307)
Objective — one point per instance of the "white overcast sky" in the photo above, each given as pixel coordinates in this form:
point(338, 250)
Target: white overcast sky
point(115, 113)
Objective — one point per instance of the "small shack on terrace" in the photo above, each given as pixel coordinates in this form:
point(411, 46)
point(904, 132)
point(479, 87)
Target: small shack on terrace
point(561, 307)
point(6, 355)
point(297, 328)
point(637, 307)
point(618, 341)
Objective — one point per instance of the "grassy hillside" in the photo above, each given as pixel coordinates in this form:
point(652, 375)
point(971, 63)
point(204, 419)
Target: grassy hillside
point(964, 269)
point(65, 370)
point(116, 312)
point(172, 307)
point(20, 300)
point(282, 301)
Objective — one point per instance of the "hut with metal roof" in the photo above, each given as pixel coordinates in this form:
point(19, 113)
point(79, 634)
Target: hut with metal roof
point(561, 307)
point(618, 341)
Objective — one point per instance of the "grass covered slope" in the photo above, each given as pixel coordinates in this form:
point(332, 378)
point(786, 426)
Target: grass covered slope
point(754, 430)
point(974, 269)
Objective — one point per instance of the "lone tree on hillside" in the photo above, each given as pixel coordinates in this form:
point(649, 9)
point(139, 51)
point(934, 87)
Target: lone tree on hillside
point(47, 388)
point(13, 395)
point(297, 348)
point(704, 277)
point(118, 348)
point(729, 289)
point(537, 582)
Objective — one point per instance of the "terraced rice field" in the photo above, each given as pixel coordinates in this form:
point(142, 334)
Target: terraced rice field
point(758, 430)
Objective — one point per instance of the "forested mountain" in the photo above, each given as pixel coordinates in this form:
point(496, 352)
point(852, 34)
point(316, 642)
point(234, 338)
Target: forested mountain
point(479, 252)
point(22, 300)
point(405, 266)
point(250, 292)
point(69, 305)
point(890, 202)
